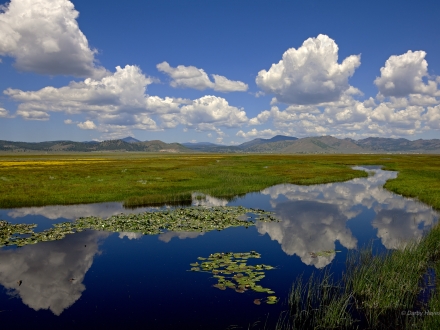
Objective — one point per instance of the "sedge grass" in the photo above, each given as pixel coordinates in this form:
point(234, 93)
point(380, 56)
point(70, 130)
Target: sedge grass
point(142, 179)
point(150, 179)
point(376, 292)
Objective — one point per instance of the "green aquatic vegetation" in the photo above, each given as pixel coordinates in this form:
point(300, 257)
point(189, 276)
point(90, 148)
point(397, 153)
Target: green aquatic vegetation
point(373, 292)
point(10, 234)
point(232, 271)
point(192, 219)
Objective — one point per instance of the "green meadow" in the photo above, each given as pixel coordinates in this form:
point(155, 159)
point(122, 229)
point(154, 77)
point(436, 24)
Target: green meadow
point(375, 287)
point(144, 179)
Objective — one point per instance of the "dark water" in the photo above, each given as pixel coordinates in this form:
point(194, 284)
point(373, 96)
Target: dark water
point(106, 280)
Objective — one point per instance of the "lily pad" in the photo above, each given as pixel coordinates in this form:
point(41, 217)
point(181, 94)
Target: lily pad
point(236, 273)
point(192, 219)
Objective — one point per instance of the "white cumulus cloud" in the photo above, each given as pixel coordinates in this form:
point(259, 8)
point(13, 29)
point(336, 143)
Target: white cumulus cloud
point(118, 99)
point(192, 77)
point(118, 103)
point(43, 37)
point(208, 112)
point(310, 74)
point(33, 114)
point(88, 124)
point(3, 113)
point(403, 75)
point(254, 133)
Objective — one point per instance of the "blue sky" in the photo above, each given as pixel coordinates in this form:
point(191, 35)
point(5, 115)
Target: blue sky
point(219, 71)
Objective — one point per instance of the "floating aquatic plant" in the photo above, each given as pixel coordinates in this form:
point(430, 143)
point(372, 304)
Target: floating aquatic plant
point(232, 271)
point(192, 219)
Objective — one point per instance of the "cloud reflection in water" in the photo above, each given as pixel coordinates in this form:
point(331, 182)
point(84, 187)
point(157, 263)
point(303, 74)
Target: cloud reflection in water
point(314, 217)
point(51, 272)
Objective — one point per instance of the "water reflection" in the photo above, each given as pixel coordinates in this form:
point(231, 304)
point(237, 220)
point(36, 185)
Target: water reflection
point(315, 217)
point(309, 226)
point(166, 237)
point(51, 273)
point(129, 235)
point(72, 212)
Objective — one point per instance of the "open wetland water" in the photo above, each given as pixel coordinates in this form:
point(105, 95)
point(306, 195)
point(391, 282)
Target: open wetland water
point(175, 279)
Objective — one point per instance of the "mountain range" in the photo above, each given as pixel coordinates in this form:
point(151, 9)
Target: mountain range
point(278, 144)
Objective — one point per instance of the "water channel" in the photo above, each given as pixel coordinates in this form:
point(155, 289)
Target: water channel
point(102, 279)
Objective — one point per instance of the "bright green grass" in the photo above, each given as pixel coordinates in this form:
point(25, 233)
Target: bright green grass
point(376, 289)
point(140, 179)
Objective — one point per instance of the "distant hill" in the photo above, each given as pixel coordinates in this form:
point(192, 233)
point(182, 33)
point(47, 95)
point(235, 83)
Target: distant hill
point(201, 146)
point(111, 145)
point(278, 144)
point(388, 144)
point(323, 144)
point(250, 146)
point(276, 138)
point(130, 139)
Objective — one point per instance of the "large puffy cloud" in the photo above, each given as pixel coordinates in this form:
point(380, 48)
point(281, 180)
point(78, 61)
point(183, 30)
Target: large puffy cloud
point(192, 77)
point(123, 90)
point(208, 112)
point(43, 36)
point(310, 74)
point(403, 75)
point(405, 106)
point(349, 117)
point(432, 117)
point(118, 103)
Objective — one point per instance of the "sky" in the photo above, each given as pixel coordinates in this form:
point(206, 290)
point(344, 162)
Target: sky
point(215, 71)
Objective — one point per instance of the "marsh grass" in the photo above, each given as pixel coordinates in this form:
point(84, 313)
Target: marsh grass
point(373, 292)
point(145, 179)
point(140, 179)
point(319, 303)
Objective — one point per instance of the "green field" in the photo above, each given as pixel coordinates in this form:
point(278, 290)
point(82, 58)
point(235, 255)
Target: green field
point(379, 287)
point(143, 179)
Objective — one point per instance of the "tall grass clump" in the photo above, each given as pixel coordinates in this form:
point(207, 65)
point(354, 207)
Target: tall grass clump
point(319, 303)
point(385, 285)
point(376, 292)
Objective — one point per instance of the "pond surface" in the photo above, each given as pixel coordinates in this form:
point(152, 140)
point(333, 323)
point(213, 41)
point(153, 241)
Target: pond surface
point(102, 279)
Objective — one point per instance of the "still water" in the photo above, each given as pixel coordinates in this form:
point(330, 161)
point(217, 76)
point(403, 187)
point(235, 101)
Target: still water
point(101, 279)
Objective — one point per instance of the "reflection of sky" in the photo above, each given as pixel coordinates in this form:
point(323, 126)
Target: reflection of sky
point(315, 217)
point(309, 226)
point(168, 236)
point(47, 269)
point(72, 212)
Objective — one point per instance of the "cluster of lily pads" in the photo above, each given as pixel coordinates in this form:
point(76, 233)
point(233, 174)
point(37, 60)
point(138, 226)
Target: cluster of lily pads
point(232, 271)
point(192, 219)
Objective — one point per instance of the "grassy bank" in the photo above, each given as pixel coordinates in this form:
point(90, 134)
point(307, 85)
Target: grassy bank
point(377, 292)
point(140, 179)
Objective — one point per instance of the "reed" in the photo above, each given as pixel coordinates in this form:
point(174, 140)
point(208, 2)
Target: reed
point(376, 292)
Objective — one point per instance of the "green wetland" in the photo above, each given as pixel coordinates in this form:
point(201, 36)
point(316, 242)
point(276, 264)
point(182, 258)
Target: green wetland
point(307, 242)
